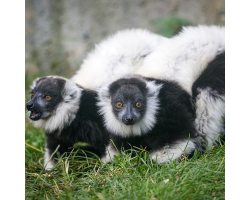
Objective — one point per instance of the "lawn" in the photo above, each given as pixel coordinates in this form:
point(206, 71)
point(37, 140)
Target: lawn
point(85, 177)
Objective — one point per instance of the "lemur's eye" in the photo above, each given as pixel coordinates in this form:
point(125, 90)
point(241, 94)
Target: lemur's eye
point(32, 95)
point(138, 104)
point(48, 97)
point(119, 105)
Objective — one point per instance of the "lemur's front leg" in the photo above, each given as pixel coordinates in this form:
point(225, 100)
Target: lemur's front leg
point(52, 144)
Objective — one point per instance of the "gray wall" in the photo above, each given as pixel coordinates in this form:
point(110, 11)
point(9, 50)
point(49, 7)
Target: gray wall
point(59, 33)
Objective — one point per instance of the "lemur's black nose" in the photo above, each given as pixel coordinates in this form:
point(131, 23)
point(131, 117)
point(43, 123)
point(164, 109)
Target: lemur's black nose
point(129, 120)
point(29, 105)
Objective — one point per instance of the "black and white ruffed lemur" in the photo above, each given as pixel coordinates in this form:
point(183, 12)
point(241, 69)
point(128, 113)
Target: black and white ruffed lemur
point(148, 113)
point(68, 114)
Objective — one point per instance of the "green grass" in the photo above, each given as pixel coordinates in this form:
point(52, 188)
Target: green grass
point(201, 177)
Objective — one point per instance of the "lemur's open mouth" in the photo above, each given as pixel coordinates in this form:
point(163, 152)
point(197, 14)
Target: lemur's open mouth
point(35, 115)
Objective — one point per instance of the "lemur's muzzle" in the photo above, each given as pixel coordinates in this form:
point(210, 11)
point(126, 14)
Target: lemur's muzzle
point(34, 113)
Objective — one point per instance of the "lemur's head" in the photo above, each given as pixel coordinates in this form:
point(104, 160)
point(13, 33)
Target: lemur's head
point(46, 95)
point(128, 100)
point(129, 105)
point(54, 102)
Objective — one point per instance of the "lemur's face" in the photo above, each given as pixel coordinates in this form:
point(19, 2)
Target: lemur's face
point(129, 104)
point(46, 95)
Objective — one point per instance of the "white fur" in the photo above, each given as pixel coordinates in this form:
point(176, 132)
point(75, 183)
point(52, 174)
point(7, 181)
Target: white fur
point(110, 153)
point(48, 162)
point(141, 127)
point(209, 112)
point(181, 58)
point(65, 112)
point(184, 57)
point(170, 153)
point(116, 56)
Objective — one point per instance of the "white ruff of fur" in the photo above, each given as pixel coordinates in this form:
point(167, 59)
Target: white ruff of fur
point(209, 112)
point(170, 153)
point(184, 57)
point(141, 127)
point(65, 112)
point(118, 55)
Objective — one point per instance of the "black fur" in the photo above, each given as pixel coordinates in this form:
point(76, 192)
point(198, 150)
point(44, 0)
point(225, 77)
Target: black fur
point(125, 82)
point(86, 127)
point(213, 76)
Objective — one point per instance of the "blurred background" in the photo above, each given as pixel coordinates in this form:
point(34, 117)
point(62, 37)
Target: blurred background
point(60, 33)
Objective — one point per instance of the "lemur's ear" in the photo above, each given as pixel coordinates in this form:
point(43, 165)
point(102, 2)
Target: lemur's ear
point(103, 93)
point(153, 88)
point(34, 83)
point(71, 91)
